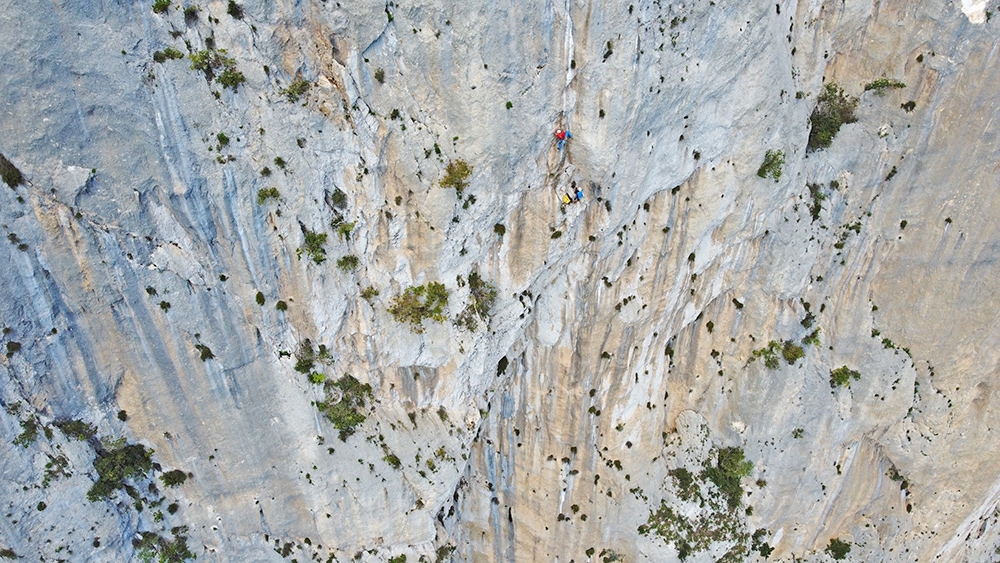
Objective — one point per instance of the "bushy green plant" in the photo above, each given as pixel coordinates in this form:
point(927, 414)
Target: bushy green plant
point(173, 478)
point(9, 173)
point(348, 263)
point(231, 78)
point(687, 488)
point(211, 60)
point(338, 199)
point(419, 303)
point(205, 353)
point(834, 108)
point(769, 353)
point(842, 376)
point(811, 339)
point(296, 89)
point(76, 429)
point(344, 229)
point(161, 6)
point(29, 432)
point(317, 378)
point(281, 306)
point(815, 191)
point(115, 466)
point(306, 357)
point(380, 75)
point(880, 85)
point(482, 295)
point(443, 553)
point(773, 161)
point(260, 298)
point(265, 194)
point(234, 9)
point(345, 413)
point(792, 352)
point(392, 460)
point(369, 293)
point(838, 549)
point(150, 546)
point(167, 54)
point(730, 468)
point(223, 139)
point(313, 246)
point(456, 174)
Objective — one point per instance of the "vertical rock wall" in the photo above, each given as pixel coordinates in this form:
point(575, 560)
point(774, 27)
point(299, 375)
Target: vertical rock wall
point(595, 413)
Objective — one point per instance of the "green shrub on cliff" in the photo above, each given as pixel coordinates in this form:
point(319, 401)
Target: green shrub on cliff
point(9, 173)
point(345, 398)
point(116, 465)
point(842, 376)
point(419, 303)
point(834, 108)
point(313, 246)
point(455, 175)
point(773, 161)
point(880, 85)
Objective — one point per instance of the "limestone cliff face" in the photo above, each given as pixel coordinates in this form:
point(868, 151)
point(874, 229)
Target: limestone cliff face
point(600, 412)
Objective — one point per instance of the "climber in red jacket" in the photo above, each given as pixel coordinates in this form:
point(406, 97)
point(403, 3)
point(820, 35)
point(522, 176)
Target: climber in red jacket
point(562, 136)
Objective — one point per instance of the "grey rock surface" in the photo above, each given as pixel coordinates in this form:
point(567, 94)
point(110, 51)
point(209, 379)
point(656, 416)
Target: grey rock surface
point(596, 413)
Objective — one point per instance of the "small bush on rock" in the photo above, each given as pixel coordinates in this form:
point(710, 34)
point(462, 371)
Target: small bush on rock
point(834, 108)
point(419, 303)
point(9, 173)
point(76, 429)
point(455, 175)
point(880, 85)
point(173, 478)
point(306, 357)
point(265, 194)
point(792, 352)
point(115, 466)
point(313, 246)
point(842, 376)
point(730, 468)
point(482, 295)
point(296, 89)
point(231, 78)
point(344, 400)
point(838, 549)
point(348, 263)
point(769, 353)
point(773, 161)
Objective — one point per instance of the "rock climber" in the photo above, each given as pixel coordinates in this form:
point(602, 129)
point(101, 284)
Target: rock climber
point(579, 194)
point(562, 136)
